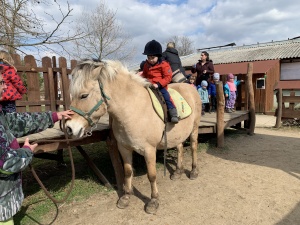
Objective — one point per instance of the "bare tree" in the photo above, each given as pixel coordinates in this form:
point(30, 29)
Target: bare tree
point(21, 28)
point(183, 45)
point(105, 38)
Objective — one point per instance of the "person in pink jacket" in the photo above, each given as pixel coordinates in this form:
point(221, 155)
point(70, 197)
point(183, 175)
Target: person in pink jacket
point(15, 87)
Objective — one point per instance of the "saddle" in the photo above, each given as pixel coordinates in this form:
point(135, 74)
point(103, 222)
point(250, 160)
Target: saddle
point(183, 108)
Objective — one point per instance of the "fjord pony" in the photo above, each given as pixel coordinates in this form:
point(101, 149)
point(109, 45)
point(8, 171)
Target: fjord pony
point(100, 87)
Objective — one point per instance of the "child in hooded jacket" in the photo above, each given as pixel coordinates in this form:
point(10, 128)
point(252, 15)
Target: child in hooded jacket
point(230, 90)
point(13, 158)
point(202, 90)
point(15, 87)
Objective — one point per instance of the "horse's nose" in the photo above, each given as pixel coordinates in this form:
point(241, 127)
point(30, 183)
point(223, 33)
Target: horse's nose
point(69, 131)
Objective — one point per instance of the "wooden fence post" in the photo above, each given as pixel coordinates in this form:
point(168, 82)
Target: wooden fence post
point(220, 114)
point(252, 117)
point(33, 85)
point(279, 108)
point(18, 62)
point(46, 63)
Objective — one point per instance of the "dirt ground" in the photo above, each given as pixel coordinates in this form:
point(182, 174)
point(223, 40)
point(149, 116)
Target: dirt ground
point(254, 180)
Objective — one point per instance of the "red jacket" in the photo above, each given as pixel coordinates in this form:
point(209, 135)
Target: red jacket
point(160, 73)
point(15, 87)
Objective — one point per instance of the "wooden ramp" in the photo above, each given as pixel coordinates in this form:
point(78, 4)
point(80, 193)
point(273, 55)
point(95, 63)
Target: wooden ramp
point(208, 123)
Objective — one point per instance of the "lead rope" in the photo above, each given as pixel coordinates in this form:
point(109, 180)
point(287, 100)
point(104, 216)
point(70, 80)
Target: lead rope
point(165, 149)
point(54, 200)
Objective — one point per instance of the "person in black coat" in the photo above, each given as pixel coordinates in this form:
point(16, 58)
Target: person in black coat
point(204, 68)
point(171, 56)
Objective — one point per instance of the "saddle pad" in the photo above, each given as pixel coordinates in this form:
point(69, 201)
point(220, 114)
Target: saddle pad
point(183, 108)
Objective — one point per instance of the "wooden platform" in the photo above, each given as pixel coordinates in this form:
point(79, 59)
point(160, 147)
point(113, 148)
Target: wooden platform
point(208, 123)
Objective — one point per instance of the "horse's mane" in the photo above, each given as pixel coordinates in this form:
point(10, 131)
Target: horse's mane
point(103, 70)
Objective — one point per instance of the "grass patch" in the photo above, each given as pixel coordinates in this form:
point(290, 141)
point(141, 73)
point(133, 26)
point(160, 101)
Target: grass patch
point(58, 179)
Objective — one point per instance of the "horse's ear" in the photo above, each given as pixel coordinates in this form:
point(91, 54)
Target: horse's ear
point(106, 70)
point(97, 67)
point(96, 72)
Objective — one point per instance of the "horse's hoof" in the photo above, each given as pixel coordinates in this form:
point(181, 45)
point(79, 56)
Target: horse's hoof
point(152, 206)
point(123, 202)
point(175, 176)
point(193, 175)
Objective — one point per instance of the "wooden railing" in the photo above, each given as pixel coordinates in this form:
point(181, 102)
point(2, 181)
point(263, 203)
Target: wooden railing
point(283, 112)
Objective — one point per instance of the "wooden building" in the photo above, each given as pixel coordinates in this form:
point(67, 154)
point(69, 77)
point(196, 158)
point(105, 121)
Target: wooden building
point(275, 65)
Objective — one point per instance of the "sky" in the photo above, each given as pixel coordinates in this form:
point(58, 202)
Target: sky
point(206, 22)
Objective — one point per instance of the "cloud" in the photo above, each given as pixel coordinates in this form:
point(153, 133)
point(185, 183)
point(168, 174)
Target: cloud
point(207, 23)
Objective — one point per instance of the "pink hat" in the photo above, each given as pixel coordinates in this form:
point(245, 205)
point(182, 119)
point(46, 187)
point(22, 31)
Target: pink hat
point(230, 75)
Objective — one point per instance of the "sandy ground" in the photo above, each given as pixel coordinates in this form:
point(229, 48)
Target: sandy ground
point(254, 180)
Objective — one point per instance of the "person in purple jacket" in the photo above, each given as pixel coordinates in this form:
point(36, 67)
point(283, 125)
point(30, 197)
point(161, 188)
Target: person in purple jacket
point(13, 158)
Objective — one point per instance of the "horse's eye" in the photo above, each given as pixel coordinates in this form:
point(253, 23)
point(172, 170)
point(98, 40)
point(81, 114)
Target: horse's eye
point(83, 96)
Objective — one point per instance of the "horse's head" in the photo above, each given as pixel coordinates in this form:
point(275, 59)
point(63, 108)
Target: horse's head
point(89, 102)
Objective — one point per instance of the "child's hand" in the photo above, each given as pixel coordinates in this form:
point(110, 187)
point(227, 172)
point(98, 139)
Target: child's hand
point(67, 114)
point(226, 95)
point(209, 96)
point(32, 147)
point(155, 85)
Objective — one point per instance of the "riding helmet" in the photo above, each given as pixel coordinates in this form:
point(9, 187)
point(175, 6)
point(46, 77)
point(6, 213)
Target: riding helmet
point(153, 48)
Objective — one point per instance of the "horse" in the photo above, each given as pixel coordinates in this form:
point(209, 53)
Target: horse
point(100, 87)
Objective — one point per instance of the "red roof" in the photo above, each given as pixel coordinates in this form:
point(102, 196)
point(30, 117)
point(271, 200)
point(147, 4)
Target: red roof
point(241, 68)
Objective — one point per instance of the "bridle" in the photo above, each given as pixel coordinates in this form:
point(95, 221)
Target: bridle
point(87, 115)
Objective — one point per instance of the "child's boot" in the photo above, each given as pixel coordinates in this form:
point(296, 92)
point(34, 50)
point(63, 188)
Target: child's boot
point(228, 110)
point(174, 115)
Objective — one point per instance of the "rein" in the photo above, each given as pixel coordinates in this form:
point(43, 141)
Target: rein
point(54, 200)
point(87, 115)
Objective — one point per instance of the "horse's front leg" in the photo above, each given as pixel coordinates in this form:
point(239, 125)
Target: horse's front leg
point(126, 154)
point(194, 148)
point(150, 158)
point(179, 167)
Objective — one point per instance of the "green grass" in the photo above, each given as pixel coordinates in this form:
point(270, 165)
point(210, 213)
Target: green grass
point(57, 180)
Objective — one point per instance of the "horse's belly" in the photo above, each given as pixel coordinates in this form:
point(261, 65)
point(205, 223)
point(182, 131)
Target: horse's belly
point(174, 138)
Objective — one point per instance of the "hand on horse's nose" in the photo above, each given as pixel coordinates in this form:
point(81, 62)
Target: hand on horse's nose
point(69, 131)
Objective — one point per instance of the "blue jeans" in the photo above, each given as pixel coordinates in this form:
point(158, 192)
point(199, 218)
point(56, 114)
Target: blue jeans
point(167, 97)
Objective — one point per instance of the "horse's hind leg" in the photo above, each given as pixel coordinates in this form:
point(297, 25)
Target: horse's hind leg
point(194, 148)
point(123, 201)
point(150, 158)
point(179, 167)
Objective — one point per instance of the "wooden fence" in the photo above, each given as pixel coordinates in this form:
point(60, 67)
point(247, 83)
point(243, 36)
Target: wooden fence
point(43, 95)
point(283, 112)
